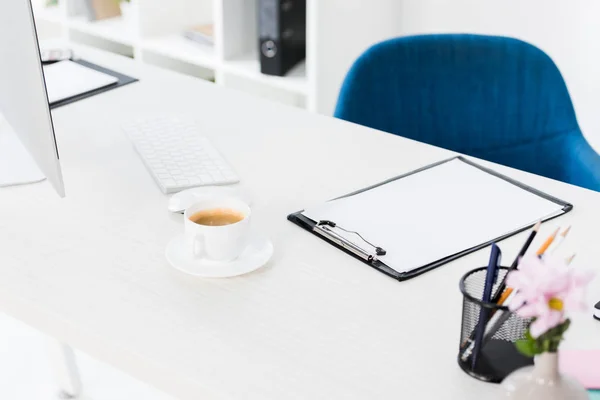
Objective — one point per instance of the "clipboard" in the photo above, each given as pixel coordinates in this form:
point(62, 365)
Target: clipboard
point(310, 225)
point(122, 81)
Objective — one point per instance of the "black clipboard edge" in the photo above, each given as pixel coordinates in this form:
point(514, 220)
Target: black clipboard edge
point(123, 80)
point(308, 224)
point(566, 206)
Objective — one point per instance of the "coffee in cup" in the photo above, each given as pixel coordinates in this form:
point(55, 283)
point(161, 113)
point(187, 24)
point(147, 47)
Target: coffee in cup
point(217, 228)
point(217, 217)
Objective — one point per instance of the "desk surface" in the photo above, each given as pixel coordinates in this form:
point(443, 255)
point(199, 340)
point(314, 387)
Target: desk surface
point(314, 324)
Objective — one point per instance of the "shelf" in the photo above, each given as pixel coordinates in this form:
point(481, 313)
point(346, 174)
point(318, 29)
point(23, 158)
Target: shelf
point(249, 67)
point(48, 14)
point(118, 29)
point(179, 48)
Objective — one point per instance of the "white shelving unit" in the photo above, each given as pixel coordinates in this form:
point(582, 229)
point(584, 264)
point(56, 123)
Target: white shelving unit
point(151, 32)
point(114, 29)
point(181, 49)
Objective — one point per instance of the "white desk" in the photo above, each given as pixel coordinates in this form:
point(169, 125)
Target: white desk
point(315, 324)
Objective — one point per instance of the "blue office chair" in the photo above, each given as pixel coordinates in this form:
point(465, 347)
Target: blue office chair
point(495, 98)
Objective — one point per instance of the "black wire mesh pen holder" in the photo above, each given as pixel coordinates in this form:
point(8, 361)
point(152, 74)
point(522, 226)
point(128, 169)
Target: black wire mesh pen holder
point(497, 355)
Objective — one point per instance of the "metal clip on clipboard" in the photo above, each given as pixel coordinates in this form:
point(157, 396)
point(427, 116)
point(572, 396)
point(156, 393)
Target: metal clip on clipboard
point(327, 229)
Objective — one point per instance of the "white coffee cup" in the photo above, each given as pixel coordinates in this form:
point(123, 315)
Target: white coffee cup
point(218, 243)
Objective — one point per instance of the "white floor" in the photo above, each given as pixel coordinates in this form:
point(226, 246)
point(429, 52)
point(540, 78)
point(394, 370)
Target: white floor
point(25, 373)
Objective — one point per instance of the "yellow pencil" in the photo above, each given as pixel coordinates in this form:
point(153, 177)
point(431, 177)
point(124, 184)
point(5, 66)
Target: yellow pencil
point(540, 252)
point(505, 295)
point(547, 243)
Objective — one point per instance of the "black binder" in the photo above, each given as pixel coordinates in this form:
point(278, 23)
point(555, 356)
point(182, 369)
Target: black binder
point(282, 35)
point(309, 225)
point(123, 80)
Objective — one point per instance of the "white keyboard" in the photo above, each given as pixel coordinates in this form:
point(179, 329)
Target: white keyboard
point(176, 155)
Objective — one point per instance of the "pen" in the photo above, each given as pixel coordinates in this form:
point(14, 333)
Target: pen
point(500, 295)
point(484, 313)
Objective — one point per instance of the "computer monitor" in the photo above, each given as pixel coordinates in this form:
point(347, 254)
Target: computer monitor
point(24, 101)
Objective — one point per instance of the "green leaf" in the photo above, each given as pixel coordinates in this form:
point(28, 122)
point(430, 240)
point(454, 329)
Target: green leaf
point(555, 342)
point(564, 326)
point(528, 335)
point(550, 340)
point(537, 346)
point(558, 330)
point(545, 345)
point(526, 347)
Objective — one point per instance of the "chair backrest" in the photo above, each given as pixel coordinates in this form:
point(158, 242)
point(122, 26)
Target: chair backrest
point(491, 97)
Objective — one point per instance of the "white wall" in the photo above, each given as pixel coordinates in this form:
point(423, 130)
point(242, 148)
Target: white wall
point(568, 30)
point(338, 32)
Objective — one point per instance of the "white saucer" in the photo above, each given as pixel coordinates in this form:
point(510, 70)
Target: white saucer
point(257, 254)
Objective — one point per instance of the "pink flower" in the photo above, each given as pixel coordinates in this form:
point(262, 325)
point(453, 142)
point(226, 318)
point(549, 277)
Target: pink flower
point(547, 290)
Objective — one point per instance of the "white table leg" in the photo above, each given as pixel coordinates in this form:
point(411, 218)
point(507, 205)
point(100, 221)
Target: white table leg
point(62, 361)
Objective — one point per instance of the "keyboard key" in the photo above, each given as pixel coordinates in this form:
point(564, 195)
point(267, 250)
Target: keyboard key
point(177, 155)
point(169, 182)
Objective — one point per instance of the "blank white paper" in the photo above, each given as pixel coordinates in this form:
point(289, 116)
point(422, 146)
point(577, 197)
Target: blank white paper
point(66, 79)
point(435, 213)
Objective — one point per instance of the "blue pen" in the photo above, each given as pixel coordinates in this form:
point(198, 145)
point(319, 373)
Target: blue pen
point(484, 313)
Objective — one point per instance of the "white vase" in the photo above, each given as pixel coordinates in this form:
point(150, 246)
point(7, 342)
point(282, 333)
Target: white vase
point(542, 381)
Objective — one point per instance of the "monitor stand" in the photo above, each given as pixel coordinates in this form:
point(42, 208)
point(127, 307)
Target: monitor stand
point(16, 165)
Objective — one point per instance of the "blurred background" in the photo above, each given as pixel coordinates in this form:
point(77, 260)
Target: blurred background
point(337, 31)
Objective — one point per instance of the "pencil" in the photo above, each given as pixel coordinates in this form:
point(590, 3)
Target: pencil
point(497, 322)
point(500, 291)
point(547, 243)
point(504, 296)
point(561, 238)
point(515, 264)
point(499, 318)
